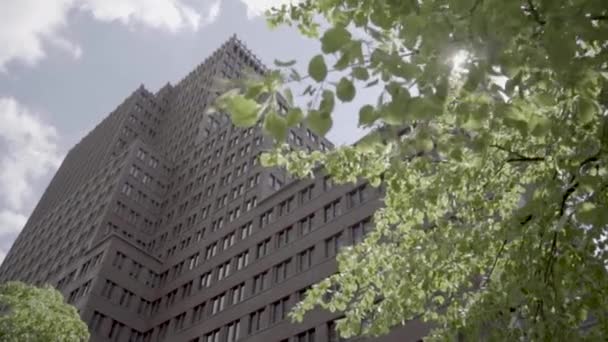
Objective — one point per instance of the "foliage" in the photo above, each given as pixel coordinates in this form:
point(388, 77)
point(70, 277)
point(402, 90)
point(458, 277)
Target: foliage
point(496, 205)
point(36, 314)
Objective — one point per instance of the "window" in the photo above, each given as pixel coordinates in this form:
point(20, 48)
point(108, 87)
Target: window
point(307, 336)
point(242, 260)
point(127, 189)
point(327, 183)
point(115, 330)
point(141, 154)
point(255, 320)
point(233, 331)
point(263, 248)
point(260, 282)
point(108, 289)
point(333, 245)
point(193, 261)
point(205, 280)
point(251, 203)
point(265, 218)
point(223, 271)
point(284, 237)
point(279, 309)
point(219, 303)
point(357, 196)
point(213, 336)
point(211, 251)
point(332, 333)
point(119, 259)
point(281, 270)
point(238, 293)
point(305, 259)
point(302, 293)
point(198, 312)
point(286, 206)
point(229, 240)
point(306, 224)
point(306, 193)
point(179, 321)
point(275, 183)
point(96, 321)
point(125, 298)
point(246, 230)
point(187, 289)
point(359, 230)
point(332, 210)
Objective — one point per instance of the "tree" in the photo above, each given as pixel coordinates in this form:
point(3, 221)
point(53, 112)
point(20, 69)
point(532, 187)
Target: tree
point(29, 313)
point(496, 207)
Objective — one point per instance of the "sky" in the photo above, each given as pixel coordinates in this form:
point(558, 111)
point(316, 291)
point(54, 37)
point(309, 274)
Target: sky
point(66, 64)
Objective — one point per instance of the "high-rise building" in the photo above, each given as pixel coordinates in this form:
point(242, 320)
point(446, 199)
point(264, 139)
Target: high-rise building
point(161, 226)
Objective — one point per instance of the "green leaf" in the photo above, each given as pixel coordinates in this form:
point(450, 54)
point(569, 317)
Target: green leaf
point(360, 73)
point(284, 64)
point(276, 126)
point(345, 90)
point(367, 115)
point(243, 111)
point(327, 101)
point(334, 39)
point(288, 96)
point(294, 116)
point(318, 121)
point(317, 68)
point(587, 110)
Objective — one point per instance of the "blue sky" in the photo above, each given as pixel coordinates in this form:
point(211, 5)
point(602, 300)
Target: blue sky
point(66, 64)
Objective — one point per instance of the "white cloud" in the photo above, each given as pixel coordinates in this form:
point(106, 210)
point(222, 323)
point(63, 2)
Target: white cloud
point(172, 15)
point(11, 222)
point(213, 11)
point(28, 26)
point(258, 7)
point(30, 151)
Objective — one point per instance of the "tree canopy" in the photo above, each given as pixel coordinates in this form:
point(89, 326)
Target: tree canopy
point(29, 313)
point(496, 208)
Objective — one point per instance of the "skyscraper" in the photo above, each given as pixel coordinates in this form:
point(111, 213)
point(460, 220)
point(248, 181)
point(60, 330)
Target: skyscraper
point(161, 226)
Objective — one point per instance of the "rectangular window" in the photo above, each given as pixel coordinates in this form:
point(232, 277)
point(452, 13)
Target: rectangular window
point(242, 260)
point(306, 193)
point(284, 237)
point(307, 336)
point(255, 320)
point(327, 183)
point(279, 309)
point(332, 210)
point(218, 303)
point(333, 245)
point(261, 282)
point(246, 230)
point(233, 331)
point(306, 224)
point(96, 321)
point(357, 196)
point(179, 321)
point(115, 330)
point(198, 312)
point(263, 248)
point(282, 270)
point(359, 230)
point(205, 280)
point(238, 293)
point(305, 259)
point(213, 336)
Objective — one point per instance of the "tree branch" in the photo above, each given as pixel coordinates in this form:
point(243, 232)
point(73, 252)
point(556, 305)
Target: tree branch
point(518, 157)
point(535, 13)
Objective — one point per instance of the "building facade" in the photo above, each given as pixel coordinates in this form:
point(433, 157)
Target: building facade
point(161, 226)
